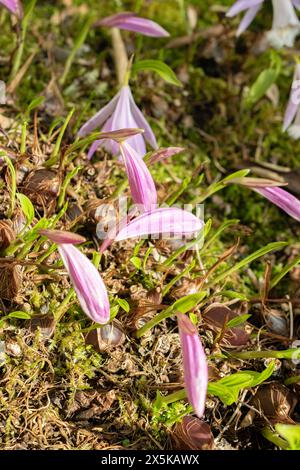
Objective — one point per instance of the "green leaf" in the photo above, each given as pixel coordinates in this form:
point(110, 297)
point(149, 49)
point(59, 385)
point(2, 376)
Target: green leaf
point(237, 321)
point(235, 175)
point(291, 433)
point(20, 315)
point(79, 40)
point(284, 271)
point(182, 305)
point(193, 318)
point(124, 305)
point(27, 207)
point(230, 294)
point(137, 263)
point(286, 354)
point(65, 185)
point(114, 311)
point(260, 86)
point(34, 104)
point(228, 388)
point(226, 395)
point(162, 69)
point(188, 302)
point(257, 254)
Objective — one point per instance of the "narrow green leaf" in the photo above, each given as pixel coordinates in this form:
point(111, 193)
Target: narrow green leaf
point(65, 185)
point(291, 433)
point(35, 103)
point(260, 86)
point(20, 315)
point(284, 271)
point(77, 44)
point(249, 259)
point(27, 207)
point(162, 69)
point(188, 302)
point(237, 321)
point(137, 263)
point(124, 304)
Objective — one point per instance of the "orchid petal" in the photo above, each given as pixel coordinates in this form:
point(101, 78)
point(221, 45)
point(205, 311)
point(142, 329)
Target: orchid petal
point(61, 236)
point(87, 282)
point(131, 22)
point(99, 118)
point(161, 221)
point(286, 25)
point(123, 118)
point(294, 100)
point(296, 3)
point(194, 364)
point(142, 122)
point(120, 113)
point(110, 20)
point(14, 6)
point(283, 199)
point(141, 183)
point(284, 14)
point(242, 5)
point(247, 19)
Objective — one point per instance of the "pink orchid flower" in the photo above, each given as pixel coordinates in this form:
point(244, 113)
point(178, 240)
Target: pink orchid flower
point(121, 112)
point(285, 27)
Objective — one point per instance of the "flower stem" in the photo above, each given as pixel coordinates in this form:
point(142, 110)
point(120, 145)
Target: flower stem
point(120, 55)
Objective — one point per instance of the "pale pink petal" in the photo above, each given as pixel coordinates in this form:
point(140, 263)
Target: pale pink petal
point(61, 236)
point(296, 3)
point(110, 145)
point(294, 100)
point(99, 118)
point(161, 221)
point(142, 122)
point(247, 19)
point(123, 118)
point(242, 5)
point(141, 183)
point(120, 113)
point(131, 22)
point(281, 198)
point(194, 364)
point(14, 6)
point(87, 283)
